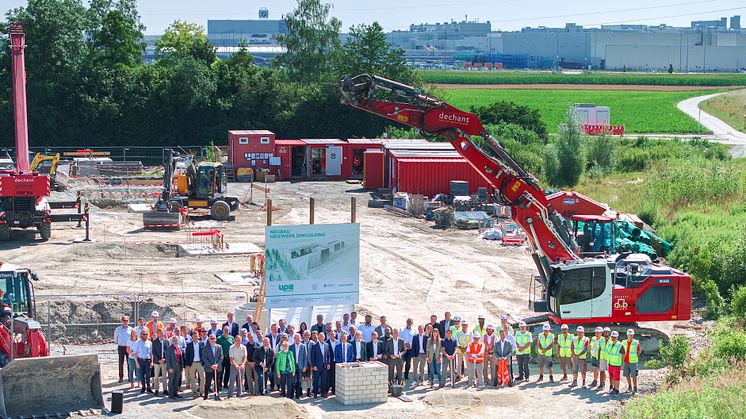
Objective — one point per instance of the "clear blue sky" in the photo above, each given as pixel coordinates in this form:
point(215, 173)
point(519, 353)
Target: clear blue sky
point(398, 14)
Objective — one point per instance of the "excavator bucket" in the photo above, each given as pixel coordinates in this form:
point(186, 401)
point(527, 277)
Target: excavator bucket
point(50, 386)
point(162, 219)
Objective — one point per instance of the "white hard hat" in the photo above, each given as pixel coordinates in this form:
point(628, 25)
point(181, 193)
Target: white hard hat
point(546, 327)
point(481, 316)
point(503, 317)
point(213, 321)
point(615, 334)
point(580, 329)
point(172, 320)
point(607, 329)
point(564, 327)
point(630, 332)
point(457, 319)
point(154, 314)
point(599, 329)
point(522, 324)
point(464, 323)
point(475, 336)
point(489, 326)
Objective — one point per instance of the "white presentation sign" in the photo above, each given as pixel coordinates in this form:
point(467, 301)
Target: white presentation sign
point(312, 265)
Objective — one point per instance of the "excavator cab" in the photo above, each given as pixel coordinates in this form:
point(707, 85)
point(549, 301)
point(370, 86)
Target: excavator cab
point(581, 290)
point(211, 180)
point(17, 292)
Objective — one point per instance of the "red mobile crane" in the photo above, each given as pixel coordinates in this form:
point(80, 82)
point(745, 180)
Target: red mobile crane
point(610, 289)
point(23, 194)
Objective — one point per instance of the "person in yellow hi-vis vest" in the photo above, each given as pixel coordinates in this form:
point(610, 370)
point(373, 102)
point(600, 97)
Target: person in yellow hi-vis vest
point(614, 350)
point(579, 350)
point(544, 346)
point(632, 350)
point(595, 351)
point(463, 337)
point(480, 328)
point(523, 340)
point(564, 344)
point(603, 363)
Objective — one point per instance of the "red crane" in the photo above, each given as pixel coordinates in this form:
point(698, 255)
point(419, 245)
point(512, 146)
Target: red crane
point(23, 194)
point(626, 288)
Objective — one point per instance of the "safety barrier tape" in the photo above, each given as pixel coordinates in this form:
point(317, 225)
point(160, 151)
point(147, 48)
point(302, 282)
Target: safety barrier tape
point(166, 225)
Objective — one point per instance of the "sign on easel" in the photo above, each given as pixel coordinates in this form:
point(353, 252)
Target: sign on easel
point(312, 265)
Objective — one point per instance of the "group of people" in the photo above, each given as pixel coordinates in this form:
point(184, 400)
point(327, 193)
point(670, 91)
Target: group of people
point(242, 360)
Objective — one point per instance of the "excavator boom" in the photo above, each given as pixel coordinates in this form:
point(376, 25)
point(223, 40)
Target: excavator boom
point(512, 184)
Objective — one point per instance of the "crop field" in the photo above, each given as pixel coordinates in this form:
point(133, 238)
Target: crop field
point(639, 111)
point(546, 77)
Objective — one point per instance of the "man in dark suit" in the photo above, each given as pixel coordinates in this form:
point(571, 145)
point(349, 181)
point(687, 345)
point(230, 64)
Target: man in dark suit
point(319, 326)
point(394, 351)
point(344, 352)
point(159, 361)
point(212, 359)
point(252, 380)
point(445, 324)
point(375, 349)
point(419, 355)
point(300, 356)
point(332, 342)
point(195, 371)
point(359, 348)
point(174, 363)
point(232, 325)
point(264, 361)
point(321, 359)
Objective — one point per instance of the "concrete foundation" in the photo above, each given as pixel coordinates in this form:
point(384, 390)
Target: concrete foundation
point(361, 383)
point(206, 250)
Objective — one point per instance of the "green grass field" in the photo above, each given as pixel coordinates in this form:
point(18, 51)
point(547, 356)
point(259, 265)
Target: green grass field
point(639, 111)
point(730, 107)
point(546, 77)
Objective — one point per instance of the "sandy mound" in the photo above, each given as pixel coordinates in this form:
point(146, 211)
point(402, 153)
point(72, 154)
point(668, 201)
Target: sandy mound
point(254, 407)
point(505, 397)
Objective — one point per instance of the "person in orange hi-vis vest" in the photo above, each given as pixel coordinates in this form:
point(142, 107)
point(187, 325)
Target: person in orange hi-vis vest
point(154, 325)
point(475, 361)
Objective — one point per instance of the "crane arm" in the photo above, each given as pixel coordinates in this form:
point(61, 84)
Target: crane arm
point(513, 185)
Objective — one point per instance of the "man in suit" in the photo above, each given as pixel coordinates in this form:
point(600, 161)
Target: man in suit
point(419, 355)
point(394, 351)
point(174, 363)
point(232, 325)
point(375, 349)
point(212, 359)
point(264, 359)
point(320, 357)
point(344, 352)
point(319, 326)
point(332, 342)
point(359, 348)
point(251, 379)
point(381, 329)
point(194, 367)
point(445, 324)
point(504, 349)
point(300, 356)
point(159, 361)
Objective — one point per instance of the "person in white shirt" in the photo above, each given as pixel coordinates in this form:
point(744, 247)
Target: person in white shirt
point(121, 336)
point(195, 371)
point(140, 326)
point(406, 334)
point(367, 328)
point(133, 371)
point(143, 360)
point(346, 322)
point(359, 348)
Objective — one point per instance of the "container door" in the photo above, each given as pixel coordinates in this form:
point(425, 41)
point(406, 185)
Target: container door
point(334, 161)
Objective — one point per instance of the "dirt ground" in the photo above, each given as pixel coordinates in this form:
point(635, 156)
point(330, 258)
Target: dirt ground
point(408, 269)
point(541, 86)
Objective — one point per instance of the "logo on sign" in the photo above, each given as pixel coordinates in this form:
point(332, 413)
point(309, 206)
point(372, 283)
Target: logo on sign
point(286, 287)
point(450, 117)
point(621, 304)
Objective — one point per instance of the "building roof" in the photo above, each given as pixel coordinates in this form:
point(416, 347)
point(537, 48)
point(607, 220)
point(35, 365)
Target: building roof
point(290, 142)
point(322, 141)
point(430, 160)
point(418, 146)
point(251, 132)
point(439, 154)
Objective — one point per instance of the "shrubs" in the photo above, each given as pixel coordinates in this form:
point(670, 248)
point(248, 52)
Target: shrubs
point(730, 343)
point(601, 155)
point(675, 352)
point(509, 113)
point(715, 301)
point(738, 302)
point(565, 160)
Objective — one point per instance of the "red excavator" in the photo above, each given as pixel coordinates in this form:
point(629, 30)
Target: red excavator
point(608, 289)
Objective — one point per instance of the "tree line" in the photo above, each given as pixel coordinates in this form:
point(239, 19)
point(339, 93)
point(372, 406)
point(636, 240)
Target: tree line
point(87, 82)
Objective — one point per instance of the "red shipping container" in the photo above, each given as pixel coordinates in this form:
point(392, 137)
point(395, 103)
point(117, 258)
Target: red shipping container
point(373, 169)
point(430, 177)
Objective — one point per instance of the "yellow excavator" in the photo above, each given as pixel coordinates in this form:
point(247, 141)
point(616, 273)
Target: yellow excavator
point(46, 164)
point(202, 185)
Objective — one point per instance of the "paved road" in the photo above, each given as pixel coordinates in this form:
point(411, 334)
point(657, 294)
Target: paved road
point(722, 132)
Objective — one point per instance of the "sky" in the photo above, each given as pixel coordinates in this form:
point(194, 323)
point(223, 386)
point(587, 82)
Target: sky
point(505, 15)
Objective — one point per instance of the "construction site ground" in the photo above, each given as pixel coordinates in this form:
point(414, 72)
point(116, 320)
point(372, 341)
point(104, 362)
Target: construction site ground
point(407, 269)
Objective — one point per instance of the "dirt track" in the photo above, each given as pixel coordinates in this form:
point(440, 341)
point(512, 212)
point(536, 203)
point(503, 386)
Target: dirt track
point(408, 269)
point(583, 87)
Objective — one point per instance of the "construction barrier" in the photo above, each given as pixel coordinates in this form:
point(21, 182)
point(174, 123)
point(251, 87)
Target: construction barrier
point(596, 129)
